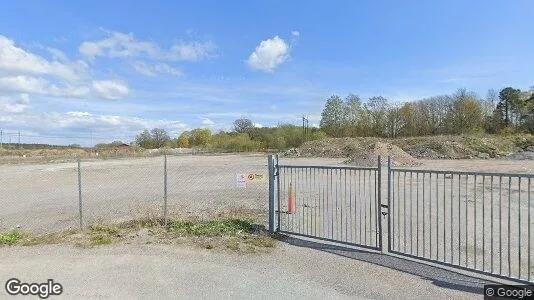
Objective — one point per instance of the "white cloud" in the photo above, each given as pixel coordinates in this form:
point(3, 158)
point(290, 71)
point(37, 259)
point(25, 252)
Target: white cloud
point(111, 89)
point(153, 70)
point(207, 123)
point(295, 33)
point(269, 54)
point(15, 105)
point(16, 61)
point(193, 51)
point(122, 45)
point(258, 125)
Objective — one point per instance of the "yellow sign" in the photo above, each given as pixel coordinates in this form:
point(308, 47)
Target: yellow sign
point(255, 177)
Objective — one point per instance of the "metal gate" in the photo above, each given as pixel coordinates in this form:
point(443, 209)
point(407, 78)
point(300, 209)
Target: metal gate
point(474, 221)
point(340, 204)
point(470, 220)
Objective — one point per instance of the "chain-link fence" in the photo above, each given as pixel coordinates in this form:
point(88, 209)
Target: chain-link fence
point(42, 198)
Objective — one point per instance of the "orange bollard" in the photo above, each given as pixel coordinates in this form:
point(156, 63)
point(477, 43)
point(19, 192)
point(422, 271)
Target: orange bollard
point(290, 201)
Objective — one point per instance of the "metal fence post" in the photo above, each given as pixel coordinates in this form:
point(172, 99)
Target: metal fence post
point(165, 189)
point(270, 165)
point(80, 193)
point(379, 204)
point(390, 186)
point(277, 192)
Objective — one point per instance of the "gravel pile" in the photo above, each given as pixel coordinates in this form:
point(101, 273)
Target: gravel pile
point(359, 151)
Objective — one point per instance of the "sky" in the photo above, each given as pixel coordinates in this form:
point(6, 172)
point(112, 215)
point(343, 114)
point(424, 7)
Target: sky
point(86, 72)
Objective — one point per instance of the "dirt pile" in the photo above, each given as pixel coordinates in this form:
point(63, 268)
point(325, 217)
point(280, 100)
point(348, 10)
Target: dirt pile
point(369, 156)
point(359, 151)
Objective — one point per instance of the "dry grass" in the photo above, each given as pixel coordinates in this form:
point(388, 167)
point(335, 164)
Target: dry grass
point(237, 231)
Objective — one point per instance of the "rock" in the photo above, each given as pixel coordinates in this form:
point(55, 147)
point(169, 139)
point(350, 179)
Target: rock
point(483, 155)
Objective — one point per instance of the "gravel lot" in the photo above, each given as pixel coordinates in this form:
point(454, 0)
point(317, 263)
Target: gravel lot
point(44, 197)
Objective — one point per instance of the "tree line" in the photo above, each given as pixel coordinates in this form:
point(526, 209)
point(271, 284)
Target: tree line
point(508, 111)
point(511, 110)
point(243, 137)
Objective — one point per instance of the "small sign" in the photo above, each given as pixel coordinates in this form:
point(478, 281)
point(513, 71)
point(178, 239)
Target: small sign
point(255, 177)
point(241, 180)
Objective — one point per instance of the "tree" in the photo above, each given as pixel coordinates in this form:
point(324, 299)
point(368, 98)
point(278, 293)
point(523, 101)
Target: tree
point(333, 116)
point(377, 108)
point(353, 111)
point(509, 99)
point(183, 140)
point(243, 125)
point(465, 114)
point(159, 137)
point(144, 140)
point(200, 137)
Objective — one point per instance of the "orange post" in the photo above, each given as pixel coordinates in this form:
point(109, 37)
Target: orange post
point(290, 201)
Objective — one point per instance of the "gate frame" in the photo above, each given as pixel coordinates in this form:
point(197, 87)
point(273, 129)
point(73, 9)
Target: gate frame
point(274, 202)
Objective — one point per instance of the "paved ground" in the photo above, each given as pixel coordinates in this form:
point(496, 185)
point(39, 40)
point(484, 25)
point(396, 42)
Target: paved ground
point(297, 269)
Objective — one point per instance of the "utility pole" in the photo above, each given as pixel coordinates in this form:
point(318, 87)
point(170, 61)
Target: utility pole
point(19, 139)
point(305, 125)
point(1, 139)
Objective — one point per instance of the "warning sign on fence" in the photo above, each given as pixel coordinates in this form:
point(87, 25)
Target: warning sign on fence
point(243, 178)
point(255, 177)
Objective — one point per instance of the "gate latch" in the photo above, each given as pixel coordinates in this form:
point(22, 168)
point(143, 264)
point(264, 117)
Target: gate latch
point(384, 213)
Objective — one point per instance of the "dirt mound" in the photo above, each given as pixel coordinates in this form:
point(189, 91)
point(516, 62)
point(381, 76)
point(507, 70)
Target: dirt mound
point(359, 151)
point(369, 157)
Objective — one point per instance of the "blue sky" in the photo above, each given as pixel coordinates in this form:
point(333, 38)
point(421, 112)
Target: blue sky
point(95, 71)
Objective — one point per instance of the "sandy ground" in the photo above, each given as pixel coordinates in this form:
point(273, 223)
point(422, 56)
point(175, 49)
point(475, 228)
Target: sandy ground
point(291, 271)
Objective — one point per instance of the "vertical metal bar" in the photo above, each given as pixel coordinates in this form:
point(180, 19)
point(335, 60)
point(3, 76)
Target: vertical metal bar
point(529, 250)
point(345, 204)
point(80, 194)
point(519, 227)
point(417, 213)
point(430, 210)
point(165, 192)
point(404, 207)
point(337, 209)
point(270, 166)
point(437, 216)
point(475, 224)
point(389, 205)
point(500, 225)
point(365, 206)
point(292, 216)
point(509, 223)
point(352, 213)
point(315, 200)
point(278, 187)
point(466, 221)
point(491, 216)
point(411, 210)
point(459, 219)
point(331, 205)
point(342, 198)
point(452, 218)
point(378, 201)
point(444, 222)
point(360, 201)
point(370, 195)
point(424, 212)
point(483, 223)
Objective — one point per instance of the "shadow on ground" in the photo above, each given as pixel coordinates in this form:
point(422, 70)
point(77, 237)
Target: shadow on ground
point(439, 276)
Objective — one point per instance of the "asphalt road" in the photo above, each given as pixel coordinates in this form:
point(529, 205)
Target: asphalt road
point(296, 269)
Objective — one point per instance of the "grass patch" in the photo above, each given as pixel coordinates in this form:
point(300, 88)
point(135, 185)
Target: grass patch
point(101, 228)
point(10, 238)
point(228, 227)
point(101, 239)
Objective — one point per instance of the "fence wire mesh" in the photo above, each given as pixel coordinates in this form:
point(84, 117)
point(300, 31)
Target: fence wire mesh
point(44, 198)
